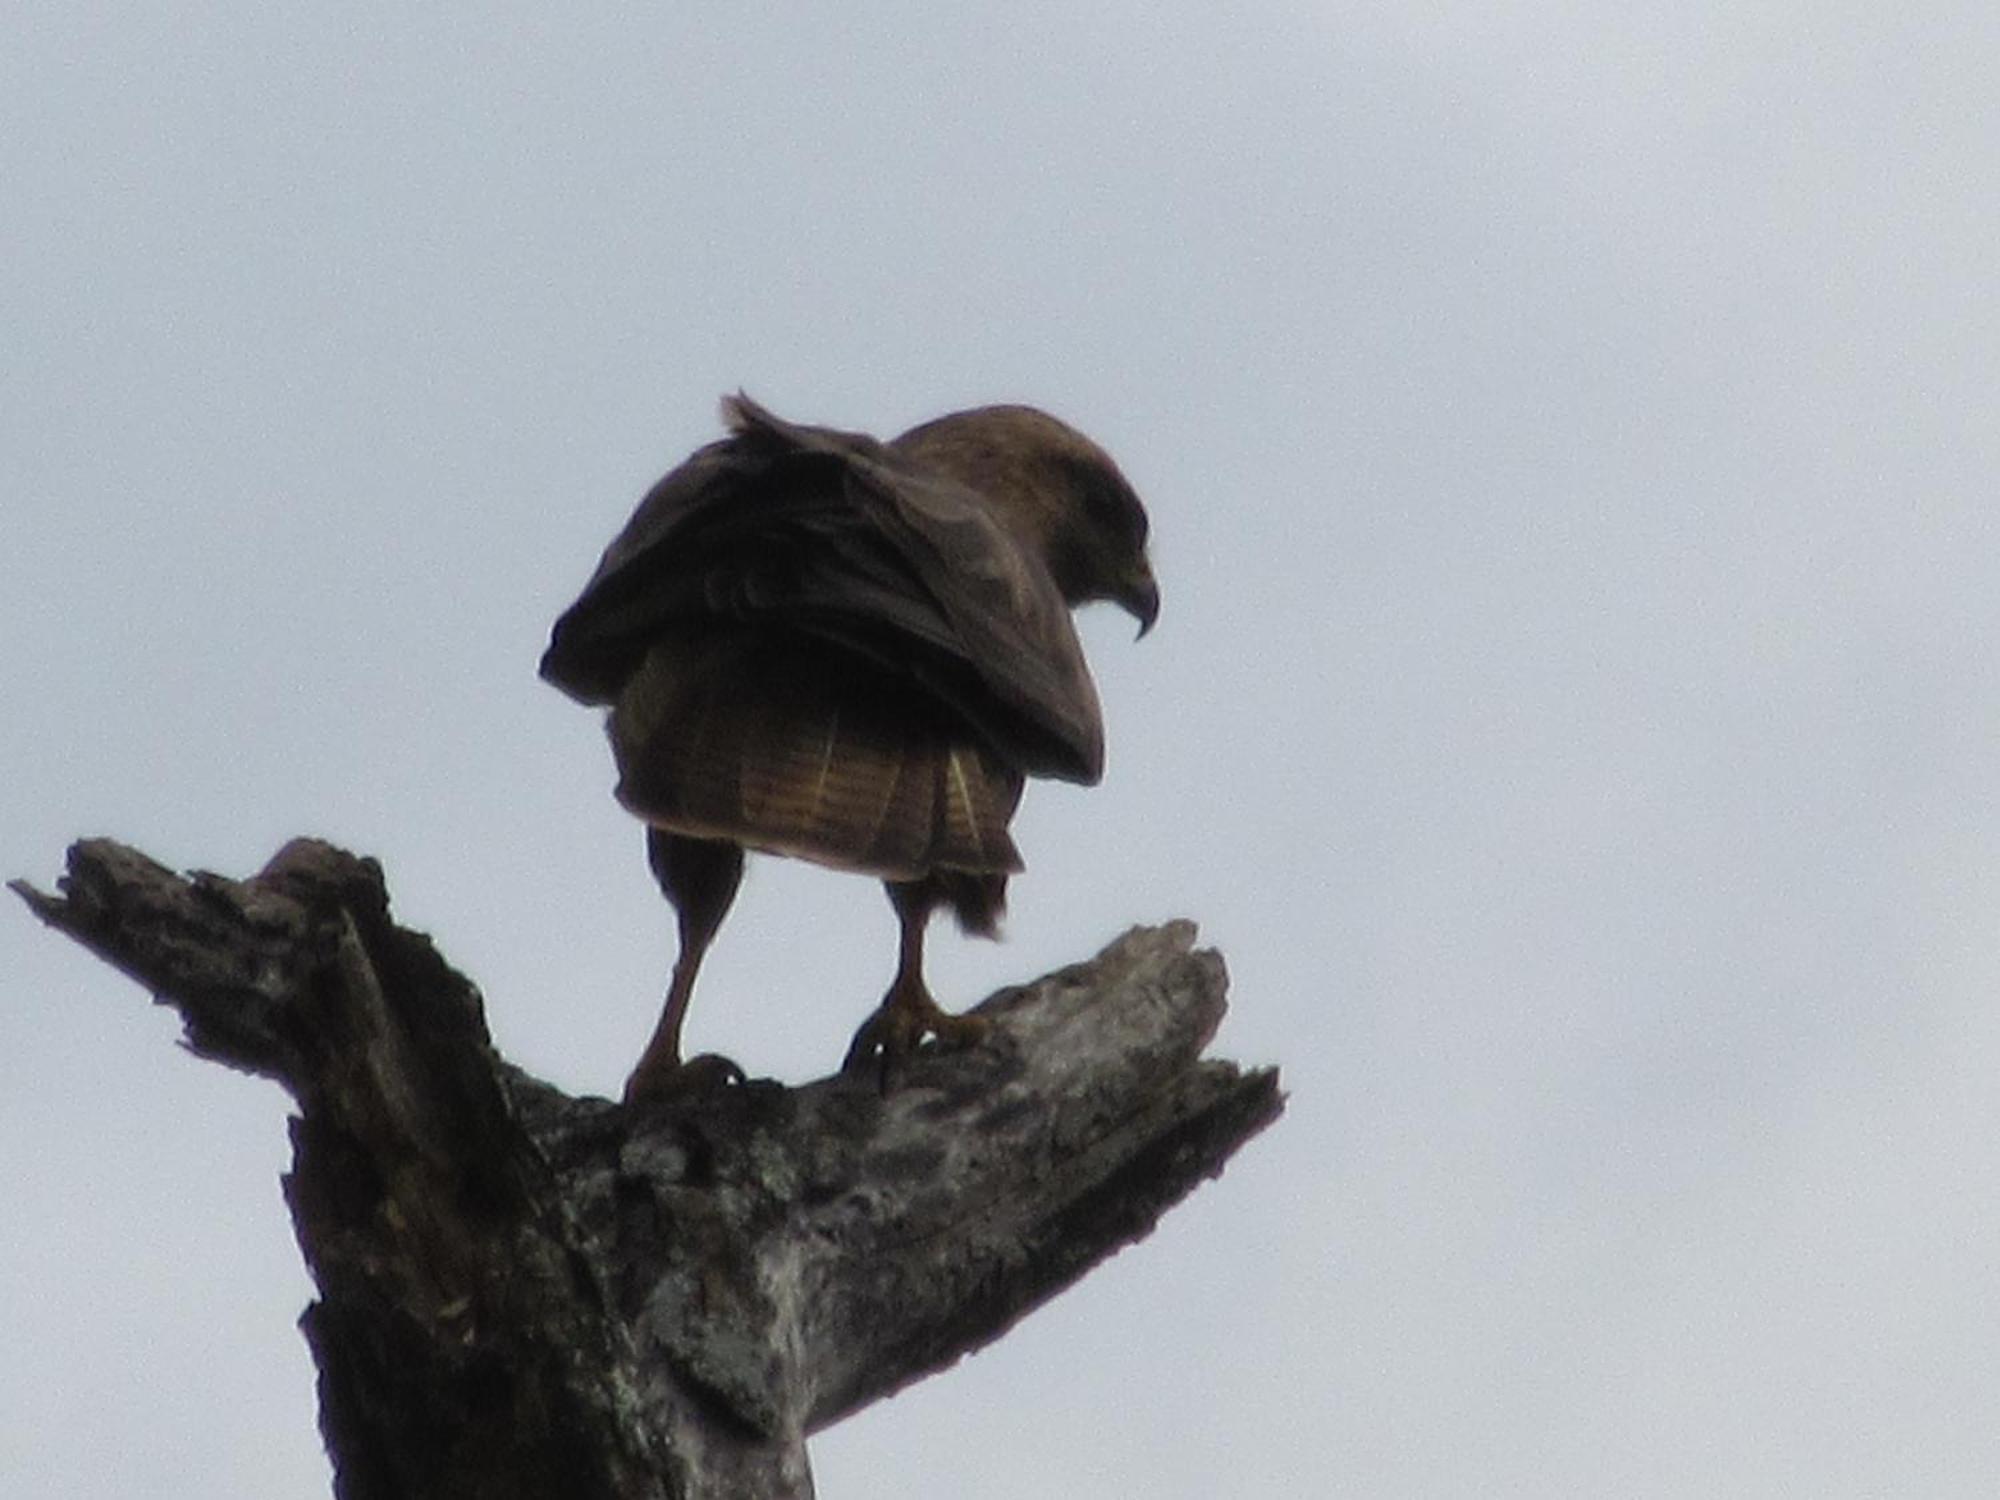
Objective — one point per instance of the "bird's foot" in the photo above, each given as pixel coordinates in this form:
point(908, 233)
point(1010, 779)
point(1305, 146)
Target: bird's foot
point(898, 1027)
point(668, 1078)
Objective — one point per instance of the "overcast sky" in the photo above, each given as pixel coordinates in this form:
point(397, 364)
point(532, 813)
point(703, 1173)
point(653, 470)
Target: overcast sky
point(1570, 437)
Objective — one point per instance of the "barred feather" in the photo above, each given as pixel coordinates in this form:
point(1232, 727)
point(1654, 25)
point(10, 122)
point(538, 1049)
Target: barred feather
point(782, 743)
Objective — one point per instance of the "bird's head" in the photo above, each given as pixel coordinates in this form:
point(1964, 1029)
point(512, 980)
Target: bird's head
point(1057, 491)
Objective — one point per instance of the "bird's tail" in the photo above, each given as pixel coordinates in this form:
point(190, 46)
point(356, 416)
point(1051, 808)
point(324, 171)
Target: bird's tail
point(787, 744)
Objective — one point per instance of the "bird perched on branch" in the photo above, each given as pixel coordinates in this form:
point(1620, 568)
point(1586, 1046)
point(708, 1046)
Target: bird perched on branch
point(817, 644)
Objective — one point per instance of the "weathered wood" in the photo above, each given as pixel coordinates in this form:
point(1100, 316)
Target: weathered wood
point(524, 1293)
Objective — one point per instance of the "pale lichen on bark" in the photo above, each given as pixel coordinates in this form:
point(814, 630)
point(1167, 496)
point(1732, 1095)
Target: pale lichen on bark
point(525, 1293)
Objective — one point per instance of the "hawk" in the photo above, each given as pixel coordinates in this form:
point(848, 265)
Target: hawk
point(816, 644)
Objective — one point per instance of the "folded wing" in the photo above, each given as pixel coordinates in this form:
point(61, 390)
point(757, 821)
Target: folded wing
point(813, 646)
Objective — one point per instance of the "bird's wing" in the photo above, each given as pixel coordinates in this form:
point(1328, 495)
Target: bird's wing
point(830, 534)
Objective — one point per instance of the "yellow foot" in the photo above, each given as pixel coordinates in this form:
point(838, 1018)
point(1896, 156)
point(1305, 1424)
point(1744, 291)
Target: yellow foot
point(898, 1027)
point(652, 1082)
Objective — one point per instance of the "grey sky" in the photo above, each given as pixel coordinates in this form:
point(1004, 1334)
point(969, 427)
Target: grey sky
point(1569, 432)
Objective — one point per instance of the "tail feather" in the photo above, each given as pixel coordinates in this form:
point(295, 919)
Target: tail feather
point(778, 745)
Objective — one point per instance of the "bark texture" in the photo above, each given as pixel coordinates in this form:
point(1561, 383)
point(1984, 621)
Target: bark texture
point(528, 1294)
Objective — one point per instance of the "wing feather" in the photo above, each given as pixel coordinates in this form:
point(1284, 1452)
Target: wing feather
point(830, 536)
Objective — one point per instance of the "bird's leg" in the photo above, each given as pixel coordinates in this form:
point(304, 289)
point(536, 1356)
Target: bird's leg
point(700, 877)
point(907, 1013)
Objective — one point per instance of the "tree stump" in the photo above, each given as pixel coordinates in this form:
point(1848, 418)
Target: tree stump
point(528, 1294)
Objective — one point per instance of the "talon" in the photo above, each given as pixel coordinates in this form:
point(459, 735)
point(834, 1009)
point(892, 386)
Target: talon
point(897, 1029)
point(886, 1034)
point(907, 1013)
point(706, 1073)
point(956, 1032)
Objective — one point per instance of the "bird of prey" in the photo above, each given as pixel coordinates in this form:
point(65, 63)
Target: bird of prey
point(817, 644)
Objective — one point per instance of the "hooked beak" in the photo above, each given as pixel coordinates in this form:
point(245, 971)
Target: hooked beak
point(1139, 596)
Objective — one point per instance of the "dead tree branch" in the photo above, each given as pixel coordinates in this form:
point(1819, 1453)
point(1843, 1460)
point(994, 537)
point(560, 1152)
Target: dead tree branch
point(528, 1294)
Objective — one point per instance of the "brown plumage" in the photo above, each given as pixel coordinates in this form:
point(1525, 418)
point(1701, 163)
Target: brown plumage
point(816, 644)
